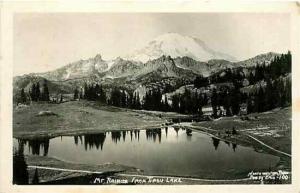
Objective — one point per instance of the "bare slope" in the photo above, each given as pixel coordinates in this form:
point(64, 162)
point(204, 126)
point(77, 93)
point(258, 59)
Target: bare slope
point(76, 117)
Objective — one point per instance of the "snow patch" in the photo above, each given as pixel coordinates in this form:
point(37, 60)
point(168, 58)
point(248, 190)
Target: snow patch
point(176, 45)
point(110, 64)
point(110, 77)
point(68, 75)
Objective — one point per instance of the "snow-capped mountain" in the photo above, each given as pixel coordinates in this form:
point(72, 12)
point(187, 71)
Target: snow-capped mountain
point(170, 59)
point(189, 52)
point(98, 68)
point(164, 72)
point(176, 45)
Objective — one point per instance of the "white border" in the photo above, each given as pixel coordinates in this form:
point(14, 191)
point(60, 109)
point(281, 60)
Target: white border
point(9, 8)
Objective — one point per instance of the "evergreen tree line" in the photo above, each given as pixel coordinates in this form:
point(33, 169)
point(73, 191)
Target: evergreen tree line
point(279, 66)
point(35, 93)
point(91, 92)
point(276, 93)
point(153, 100)
point(229, 75)
point(201, 81)
point(229, 98)
point(118, 97)
point(188, 102)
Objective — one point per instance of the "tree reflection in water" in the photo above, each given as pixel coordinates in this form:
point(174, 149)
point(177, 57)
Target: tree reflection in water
point(41, 145)
point(234, 146)
point(131, 135)
point(76, 139)
point(94, 140)
point(115, 136)
point(124, 135)
point(189, 132)
point(21, 143)
point(216, 142)
point(35, 146)
point(228, 143)
point(153, 134)
point(137, 134)
point(166, 130)
point(176, 129)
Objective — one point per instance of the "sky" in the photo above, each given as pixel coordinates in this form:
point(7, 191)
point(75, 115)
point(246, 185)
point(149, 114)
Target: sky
point(47, 41)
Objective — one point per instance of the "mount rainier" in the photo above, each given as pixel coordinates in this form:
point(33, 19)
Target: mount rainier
point(171, 58)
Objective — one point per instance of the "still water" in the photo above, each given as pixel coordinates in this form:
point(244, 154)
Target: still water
point(166, 151)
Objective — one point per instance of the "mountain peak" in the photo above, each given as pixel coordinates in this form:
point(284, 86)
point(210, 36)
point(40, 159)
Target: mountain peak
point(98, 57)
point(170, 36)
point(177, 45)
point(119, 59)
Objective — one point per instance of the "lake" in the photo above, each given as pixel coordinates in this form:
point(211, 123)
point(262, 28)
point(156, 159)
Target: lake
point(166, 151)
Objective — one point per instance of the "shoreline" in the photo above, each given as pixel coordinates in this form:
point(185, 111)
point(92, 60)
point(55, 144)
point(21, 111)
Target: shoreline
point(29, 135)
point(107, 117)
point(285, 159)
point(135, 173)
point(121, 172)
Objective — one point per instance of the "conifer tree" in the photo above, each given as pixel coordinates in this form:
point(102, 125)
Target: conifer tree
point(45, 94)
point(81, 94)
point(251, 78)
point(269, 95)
point(134, 101)
point(97, 92)
point(61, 98)
point(166, 104)
point(23, 96)
point(138, 102)
point(260, 100)
point(214, 102)
point(33, 92)
point(227, 103)
point(37, 92)
point(235, 99)
point(86, 91)
point(283, 95)
point(20, 173)
point(35, 179)
point(205, 99)
point(288, 90)
point(102, 95)
point(250, 106)
point(175, 102)
point(76, 93)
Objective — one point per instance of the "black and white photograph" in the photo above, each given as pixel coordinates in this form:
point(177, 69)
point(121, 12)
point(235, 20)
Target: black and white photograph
point(151, 98)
